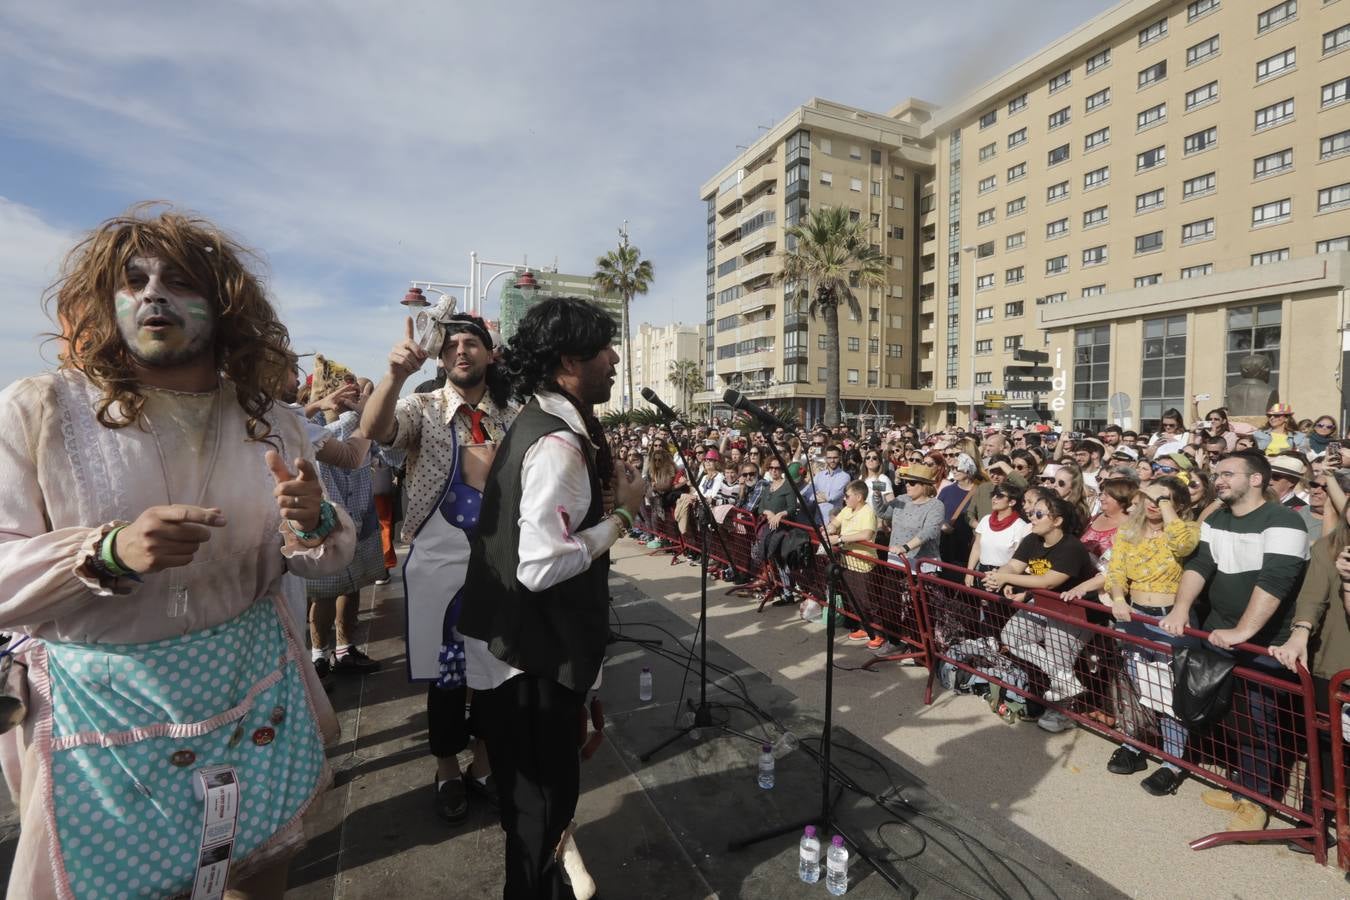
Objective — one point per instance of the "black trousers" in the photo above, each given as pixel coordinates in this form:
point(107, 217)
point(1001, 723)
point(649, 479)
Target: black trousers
point(531, 726)
point(447, 724)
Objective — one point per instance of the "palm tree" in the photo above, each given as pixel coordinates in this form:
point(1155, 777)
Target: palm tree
point(623, 272)
point(832, 255)
point(684, 374)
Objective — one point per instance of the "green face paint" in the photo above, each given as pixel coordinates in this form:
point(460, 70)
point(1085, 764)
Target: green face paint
point(162, 325)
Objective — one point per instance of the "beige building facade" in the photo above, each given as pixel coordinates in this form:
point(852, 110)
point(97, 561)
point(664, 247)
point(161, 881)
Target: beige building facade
point(655, 349)
point(1163, 166)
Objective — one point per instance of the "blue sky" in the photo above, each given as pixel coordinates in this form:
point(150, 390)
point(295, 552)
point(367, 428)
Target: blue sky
point(357, 146)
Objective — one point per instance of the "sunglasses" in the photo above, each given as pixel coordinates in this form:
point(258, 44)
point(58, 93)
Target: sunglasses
point(873, 458)
point(1324, 426)
point(1318, 485)
point(749, 474)
point(1050, 480)
point(774, 468)
point(1166, 470)
point(1215, 419)
point(997, 494)
point(1021, 467)
point(1277, 416)
point(908, 481)
point(1063, 484)
point(1040, 514)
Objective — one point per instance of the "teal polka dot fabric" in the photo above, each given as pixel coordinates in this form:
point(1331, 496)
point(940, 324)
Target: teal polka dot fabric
point(127, 819)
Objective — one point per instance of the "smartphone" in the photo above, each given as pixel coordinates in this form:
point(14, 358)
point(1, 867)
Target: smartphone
point(1075, 436)
point(1334, 452)
point(1199, 397)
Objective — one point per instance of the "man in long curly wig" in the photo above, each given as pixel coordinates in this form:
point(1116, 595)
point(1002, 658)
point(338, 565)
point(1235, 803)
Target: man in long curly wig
point(154, 502)
point(536, 599)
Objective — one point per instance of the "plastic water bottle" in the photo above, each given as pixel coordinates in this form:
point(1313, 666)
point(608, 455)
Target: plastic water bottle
point(645, 685)
point(766, 766)
point(836, 867)
point(808, 869)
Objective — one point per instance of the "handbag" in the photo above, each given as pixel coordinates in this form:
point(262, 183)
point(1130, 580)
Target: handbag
point(1202, 685)
point(947, 526)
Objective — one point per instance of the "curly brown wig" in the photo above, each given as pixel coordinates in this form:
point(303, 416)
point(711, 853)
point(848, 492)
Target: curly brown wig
point(252, 347)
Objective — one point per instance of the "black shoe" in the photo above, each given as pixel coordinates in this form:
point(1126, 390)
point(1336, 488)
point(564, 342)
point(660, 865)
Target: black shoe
point(452, 803)
point(486, 792)
point(354, 661)
point(1126, 762)
point(1162, 782)
point(324, 670)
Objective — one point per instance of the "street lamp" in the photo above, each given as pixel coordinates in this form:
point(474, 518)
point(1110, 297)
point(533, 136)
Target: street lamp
point(974, 256)
point(414, 299)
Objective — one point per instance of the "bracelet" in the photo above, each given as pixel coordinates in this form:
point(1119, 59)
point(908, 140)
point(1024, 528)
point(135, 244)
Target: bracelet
point(107, 555)
point(1304, 625)
point(625, 515)
point(327, 522)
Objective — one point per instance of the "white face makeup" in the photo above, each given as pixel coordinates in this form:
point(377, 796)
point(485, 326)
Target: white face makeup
point(163, 320)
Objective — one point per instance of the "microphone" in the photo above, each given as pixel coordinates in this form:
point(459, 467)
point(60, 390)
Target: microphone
point(650, 396)
point(737, 400)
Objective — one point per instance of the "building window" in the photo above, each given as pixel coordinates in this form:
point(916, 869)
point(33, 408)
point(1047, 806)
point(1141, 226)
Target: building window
point(1099, 138)
point(826, 146)
point(876, 157)
point(1194, 232)
point(1199, 8)
point(1154, 115)
point(1012, 342)
point(1149, 200)
point(821, 342)
point(1017, 138)
point(827, 178)
point(852, 376)
point(1017, 172)
point(897, 233)
point(1098, 100)
point(1057, 265)
point(1099, 60)
point(1150, 158)
point(876, 189)
point(1017, 103)
point(1091, 371)
point(1058, 155)
point(820, 374)
point(984, 314)
point(984, 282)
point(1277, 15)
point(1163, 385)
point(1093, 290)
point(1335, 40)
point(1198, 186)
point(1266, 257)
point(1337, 197)
point(1275, 114)
point(1015, 207)
point(984, 345)
point(1334, 145)
point(1203, 95)
point(1155, 32)
point(1014, 309)
point(1141, 281)
point(1057, 228)
point(1271, 66)
point(988, 151)
point(1057, 118)
point(855, 184)
point(984, 377)
point(1096, 216)
point(984, 217)
point(1015, 241)
point(1253, 329)
point(988, 183)
point(872, 379)
point(1096, 178)
point(1273, 163)
point(1202, 51)
point(854, 152)
point(1270, 213)
point(894, 350)
point(1015, 275)
point(1147, 243)
point(1336, 92)
point(1059, 82)
point(1198, 271)
point(1052, 298)
point(1334, 245)
point(1200, 140)
point(1056, 192)
point(854, 345)
point(1094, 256)
point(988, 118)
point(1153, 74)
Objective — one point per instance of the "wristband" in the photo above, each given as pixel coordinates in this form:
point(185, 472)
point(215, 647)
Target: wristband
point(625, 515)
point(108, 556)
point(327, 522)
point(1304, 625)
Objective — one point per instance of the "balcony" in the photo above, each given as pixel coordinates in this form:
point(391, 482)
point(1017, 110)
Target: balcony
point(756, 301)
point(762, 328)
point(928, 335)
point(794, 321)
point(761, 178)
point(759, 268)
point(729, 204)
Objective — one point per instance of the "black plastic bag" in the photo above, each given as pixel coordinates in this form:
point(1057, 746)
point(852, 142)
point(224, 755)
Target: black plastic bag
point(1202, 685)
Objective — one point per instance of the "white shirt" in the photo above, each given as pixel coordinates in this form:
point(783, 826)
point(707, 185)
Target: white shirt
point(555, 492)
point(997, 547)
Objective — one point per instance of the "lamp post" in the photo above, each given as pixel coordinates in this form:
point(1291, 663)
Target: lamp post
point(478, 294)
point(974, 256)
point(417, 289)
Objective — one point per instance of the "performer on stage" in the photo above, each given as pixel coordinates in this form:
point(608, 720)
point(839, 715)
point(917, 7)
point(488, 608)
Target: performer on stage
point(536, 607)
point(450, 434)
point(154, 498)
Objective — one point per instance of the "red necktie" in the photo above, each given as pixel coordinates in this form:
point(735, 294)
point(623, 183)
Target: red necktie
point(476, 432)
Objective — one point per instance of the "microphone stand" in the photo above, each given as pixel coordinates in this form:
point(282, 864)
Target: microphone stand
point(833, 581)
point(703, 515)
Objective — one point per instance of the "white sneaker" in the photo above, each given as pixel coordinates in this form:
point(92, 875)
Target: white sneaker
point(1054, 721)
point(574, 868)
point(1063, 686)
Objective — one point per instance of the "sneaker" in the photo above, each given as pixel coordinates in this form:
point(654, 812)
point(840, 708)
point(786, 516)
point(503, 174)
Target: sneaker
point(1218, 799)
point(875, 643)
point(1054, 721)
point(1126, 761)
point(1162, 782)
point(324, 669)
point(473, 788)
point(1248, 816)
point(859, 635)
point(383, 579)
point(882, 648)
point(452, 803)
point(354, 661)
point(1063, 686)
point(655, 544)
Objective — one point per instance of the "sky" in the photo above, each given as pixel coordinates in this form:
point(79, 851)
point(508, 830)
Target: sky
point(357, 146)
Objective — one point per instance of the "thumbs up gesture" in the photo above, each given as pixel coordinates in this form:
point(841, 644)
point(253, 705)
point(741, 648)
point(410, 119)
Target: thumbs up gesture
point(298, 493)
point(406, 357)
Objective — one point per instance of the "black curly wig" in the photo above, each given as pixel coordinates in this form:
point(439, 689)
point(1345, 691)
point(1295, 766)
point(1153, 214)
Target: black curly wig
point(553, 327)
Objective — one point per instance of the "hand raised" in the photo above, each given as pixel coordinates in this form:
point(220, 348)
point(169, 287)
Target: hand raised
point(164, 537)
point(406, 357)
point(629, 488)
point(298, 493)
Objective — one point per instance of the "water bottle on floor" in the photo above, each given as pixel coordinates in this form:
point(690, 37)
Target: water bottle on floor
point(836, 867)
point(645, 685)
point(766, 766)
point(808, 869)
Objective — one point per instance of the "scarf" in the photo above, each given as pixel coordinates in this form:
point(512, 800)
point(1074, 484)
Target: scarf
point(996, 525)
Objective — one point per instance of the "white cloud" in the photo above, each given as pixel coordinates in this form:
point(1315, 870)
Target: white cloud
point(30, 256)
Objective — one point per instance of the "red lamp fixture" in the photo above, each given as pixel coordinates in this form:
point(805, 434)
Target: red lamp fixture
point(414, 298)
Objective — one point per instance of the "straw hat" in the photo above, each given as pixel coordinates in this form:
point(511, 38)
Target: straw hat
point(918, 472)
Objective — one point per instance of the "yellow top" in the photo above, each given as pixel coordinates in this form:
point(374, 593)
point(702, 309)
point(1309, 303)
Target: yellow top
point(864, 518)
point(1153, 564)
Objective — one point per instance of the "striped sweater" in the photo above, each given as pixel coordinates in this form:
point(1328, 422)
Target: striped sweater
point(1266, 548)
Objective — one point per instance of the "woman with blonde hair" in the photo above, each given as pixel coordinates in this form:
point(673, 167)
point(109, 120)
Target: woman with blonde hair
point(1151, 548)
point(665, 482)
point(1069, 485)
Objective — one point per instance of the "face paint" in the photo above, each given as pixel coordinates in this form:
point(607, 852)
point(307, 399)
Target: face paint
point(161, 317)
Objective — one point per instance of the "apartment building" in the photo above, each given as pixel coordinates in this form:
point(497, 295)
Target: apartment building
point(760, 339)
point(655, 348)
point(1150, 198)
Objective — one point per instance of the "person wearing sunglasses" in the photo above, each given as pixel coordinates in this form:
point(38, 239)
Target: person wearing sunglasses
point(1153, 544)
point(1323, 433)
point(916, 517)
point(880, 489)
point(778, 505)
point(999, 533)
point(1216, 425)
point(1280, 433)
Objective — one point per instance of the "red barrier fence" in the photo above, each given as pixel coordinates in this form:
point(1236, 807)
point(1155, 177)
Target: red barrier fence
point(1273, 747)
